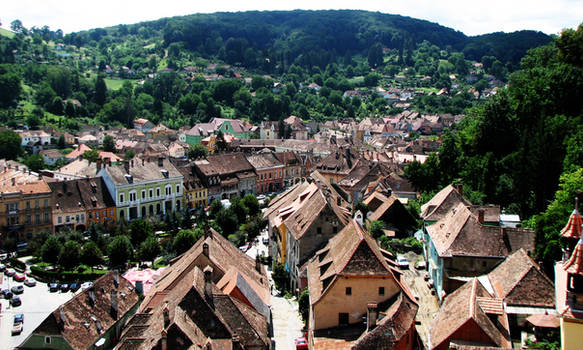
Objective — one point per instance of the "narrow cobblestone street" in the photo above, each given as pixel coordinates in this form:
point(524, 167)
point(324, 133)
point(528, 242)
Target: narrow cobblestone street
point(428, 304)
point(287, 324)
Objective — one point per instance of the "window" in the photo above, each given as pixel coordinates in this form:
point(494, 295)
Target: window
point(177, 188)
point(82, 217)
point(37, 219)
point(67, 218)
point(97, 215)
point(270, 174)
point(319, 230)
point(47, 218)
point(28, 205)
point(28, 219)
point(46, 203)
point(90, 215)
point(121, 199)
point(343, 319)
point(143, 194)
point(47, 340)
point(381, 291)
point(151, 193)
point(348, 290)
point(60, 220)
point(77, 218)
point(37, 203)
point(133, 196)
point(158, 192)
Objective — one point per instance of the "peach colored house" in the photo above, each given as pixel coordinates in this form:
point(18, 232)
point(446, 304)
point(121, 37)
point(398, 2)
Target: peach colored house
point(351, 283)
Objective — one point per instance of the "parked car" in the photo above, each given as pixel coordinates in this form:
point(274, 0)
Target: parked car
point(18, 324)
point(86, 285)
point(265, 240)
point(402, 262)
point(301, 343)
point(420, 265)
point(244, 247)
point(7, 294)
point(15, 301)
point(73, 287)
point(18, 289)
point(19, 277)
point(53, 287)
point(30, 282)
point(2, 267)
point(9, 272)
point(64, 287)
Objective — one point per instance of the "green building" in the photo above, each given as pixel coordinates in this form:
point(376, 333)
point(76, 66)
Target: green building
point(141, 188)
point(235, 127)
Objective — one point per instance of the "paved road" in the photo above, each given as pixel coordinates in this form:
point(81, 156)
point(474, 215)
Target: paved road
point(428, 304)
point(37, 303)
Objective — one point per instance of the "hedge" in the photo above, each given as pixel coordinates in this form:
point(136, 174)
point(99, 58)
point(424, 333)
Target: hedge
point(68, 276)
point(14, 262)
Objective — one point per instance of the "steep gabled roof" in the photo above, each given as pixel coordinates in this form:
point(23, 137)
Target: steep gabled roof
point(461, 308)
point(520, 281)
point(445, 200)
point(351, 252)
point(82, 320)
point(460, 233)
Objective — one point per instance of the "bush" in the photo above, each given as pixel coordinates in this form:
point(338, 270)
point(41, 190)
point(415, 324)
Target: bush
point(66, 276)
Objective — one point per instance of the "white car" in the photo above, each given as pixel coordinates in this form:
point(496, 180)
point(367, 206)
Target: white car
point(30, 282)
point(402, 262)
point(86, 285)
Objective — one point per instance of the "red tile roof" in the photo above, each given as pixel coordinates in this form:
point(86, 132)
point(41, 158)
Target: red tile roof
point(575, 263)
point(573, 227)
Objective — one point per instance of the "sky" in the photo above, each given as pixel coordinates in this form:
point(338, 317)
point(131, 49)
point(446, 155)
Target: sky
point(468, 16)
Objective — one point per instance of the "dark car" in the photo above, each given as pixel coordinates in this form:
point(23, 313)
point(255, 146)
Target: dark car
point(7, 294)
point(19, 289)
point(15, 301)
point(53, 287)
point(74, 286)
point(64, 287)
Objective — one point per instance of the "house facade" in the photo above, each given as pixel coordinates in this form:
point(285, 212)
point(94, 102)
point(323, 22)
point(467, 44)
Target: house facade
point(142, 189)
point(269, 170)
point(25, 204)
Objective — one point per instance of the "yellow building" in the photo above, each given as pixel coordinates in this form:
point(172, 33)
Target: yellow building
point(196, 195)
point(25, 204)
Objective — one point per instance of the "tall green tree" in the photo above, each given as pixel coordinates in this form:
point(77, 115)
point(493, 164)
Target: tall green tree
point(108, 143)
point(70, 255)
point(91, 255)
point(120, 250)
point(9, 144)
point(50, 250)
point(150, 249)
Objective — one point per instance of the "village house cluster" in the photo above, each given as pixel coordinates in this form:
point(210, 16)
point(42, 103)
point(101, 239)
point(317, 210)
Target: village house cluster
point(477, 264)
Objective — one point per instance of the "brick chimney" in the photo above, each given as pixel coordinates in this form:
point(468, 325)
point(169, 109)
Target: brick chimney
point(166, 313)
point(481, 216)
point(371, 316)
point(164, 340)
point(208, 285)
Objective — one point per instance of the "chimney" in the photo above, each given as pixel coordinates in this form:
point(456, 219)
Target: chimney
point(338, 201)
point(98, 164)
point(205, 249)
point(132, 163)
point(481, 216)
point(160, 161)
point(166, 313)
point(257, 264)
point(208, 285)
point(164, 340)
point(116, 278)
point(371, 316)
point(577, 203)
point(113, 307)
point(236, 341)
point(13, 181)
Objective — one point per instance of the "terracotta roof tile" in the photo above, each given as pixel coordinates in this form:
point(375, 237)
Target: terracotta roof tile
point(573, 227)
point(575, 263)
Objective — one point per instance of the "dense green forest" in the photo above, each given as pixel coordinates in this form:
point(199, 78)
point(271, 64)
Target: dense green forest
point(523, 149)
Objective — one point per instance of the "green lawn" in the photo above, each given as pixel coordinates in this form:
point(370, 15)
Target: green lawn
point(114, 84)
point(6, 33)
